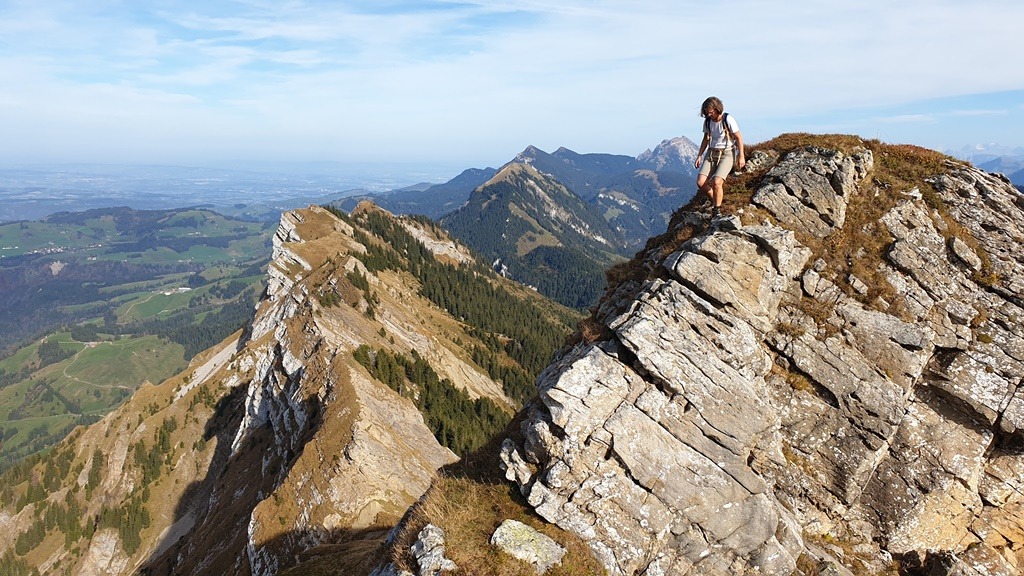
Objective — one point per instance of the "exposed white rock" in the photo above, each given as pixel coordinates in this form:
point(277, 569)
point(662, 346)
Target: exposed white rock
point(527, 544)
point(809, 189)
point(675, 154)
point(104, 555)
point(724, 428)
point(428, 550)
point(443, 248)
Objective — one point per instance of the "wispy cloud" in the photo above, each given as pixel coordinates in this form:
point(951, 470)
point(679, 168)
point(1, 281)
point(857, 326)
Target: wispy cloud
point(906, 119)
point(978, 112)
point(936, 116)
point(366, 78)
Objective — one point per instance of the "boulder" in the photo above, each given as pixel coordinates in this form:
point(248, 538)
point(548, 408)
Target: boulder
point(527, 544)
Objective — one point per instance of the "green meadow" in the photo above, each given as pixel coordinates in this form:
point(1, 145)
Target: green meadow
point(95, 304)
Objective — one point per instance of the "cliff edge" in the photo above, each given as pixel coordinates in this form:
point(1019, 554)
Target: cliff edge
point(829, 380)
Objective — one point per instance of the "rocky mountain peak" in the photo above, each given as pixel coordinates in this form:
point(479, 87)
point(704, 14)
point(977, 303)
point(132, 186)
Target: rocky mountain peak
point(529, 195)
point(675, 154)
point(512, 171)
point(829, 379)
point(529, 154)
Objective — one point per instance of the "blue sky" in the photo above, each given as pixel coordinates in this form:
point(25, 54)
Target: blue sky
point(471, 83)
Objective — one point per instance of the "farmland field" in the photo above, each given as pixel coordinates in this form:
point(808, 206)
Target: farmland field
point(95, 304)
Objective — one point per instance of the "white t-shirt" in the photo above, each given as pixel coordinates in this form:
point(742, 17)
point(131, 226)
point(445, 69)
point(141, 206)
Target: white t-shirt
point(718, 136)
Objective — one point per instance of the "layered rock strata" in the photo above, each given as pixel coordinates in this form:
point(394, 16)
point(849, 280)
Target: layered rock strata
point(750, 410)
point(321, 453)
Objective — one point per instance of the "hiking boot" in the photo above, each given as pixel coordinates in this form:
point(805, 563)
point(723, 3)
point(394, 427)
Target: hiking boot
point(716, 211)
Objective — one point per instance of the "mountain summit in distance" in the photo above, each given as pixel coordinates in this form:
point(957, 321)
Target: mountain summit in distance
point(586, 211)
point(584, 174)
point(995, 158)
point(431, 201)
point(538, 232)
point(676, 155)
point(579, 172)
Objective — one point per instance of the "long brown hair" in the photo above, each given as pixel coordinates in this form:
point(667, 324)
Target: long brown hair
point(711, 103)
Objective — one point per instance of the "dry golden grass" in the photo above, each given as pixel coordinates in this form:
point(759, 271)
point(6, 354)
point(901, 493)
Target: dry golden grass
point(799, 382)
point(858, 248)
point(591, 330)
point(468, 500)
point(358, 555)
point(469, 510)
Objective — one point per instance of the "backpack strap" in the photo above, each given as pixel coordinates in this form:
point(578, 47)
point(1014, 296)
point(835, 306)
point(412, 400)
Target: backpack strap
point(729, 136)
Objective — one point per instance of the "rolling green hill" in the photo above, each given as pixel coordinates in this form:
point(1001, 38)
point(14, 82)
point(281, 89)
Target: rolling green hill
point(40, 402)
point(95, 304)
point(73, 267)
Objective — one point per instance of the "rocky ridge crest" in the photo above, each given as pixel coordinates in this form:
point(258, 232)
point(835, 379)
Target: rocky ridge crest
point(751, 404)
point(276, 447)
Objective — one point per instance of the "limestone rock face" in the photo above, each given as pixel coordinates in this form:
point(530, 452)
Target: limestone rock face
point(321, 451)
point(752, 408)
point(428, 550)
point(809, 189)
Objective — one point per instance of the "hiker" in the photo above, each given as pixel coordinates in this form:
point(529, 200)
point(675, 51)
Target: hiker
point(721, 138)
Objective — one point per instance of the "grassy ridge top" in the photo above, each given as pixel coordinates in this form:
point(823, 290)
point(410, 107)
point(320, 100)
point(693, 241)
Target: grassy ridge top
point(857, 248)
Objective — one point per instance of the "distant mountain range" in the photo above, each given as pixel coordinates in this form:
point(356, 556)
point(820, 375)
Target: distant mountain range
point(635, 195)
point(537, 231)
point(431, 200)
point(995, 158)
point(556, 221)
point(629, 191)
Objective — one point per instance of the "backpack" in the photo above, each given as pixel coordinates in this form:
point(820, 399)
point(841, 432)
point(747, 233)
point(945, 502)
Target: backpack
point(729, 136)
point(725, 122)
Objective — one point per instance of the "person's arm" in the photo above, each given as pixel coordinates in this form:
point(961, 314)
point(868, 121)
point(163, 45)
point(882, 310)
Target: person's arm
point(703, 146)
point(741, 161)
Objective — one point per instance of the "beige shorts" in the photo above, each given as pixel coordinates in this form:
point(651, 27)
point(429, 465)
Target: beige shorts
point(717, 162)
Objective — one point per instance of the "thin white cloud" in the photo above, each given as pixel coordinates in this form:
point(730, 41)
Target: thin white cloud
point(978, 113)
point(906, 119)
point(371, 78)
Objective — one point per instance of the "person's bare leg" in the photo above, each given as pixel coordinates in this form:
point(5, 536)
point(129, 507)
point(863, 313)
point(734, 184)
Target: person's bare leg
point(705, 187)
point(718, 193)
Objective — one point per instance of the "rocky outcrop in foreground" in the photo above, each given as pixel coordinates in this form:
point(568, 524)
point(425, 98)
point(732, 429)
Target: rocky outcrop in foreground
point(755, 407)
